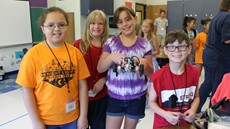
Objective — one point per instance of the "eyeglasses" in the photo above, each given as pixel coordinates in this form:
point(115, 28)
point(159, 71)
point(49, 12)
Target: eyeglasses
point(180, 48)
point(53, 26)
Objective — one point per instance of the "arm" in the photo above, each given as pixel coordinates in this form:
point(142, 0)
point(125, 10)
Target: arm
point(83, 98)
point(98, 86)
point(171, 117)
point(190, 114)
point(31, 107)
point(148, 65)
point(107, 60)
point(195, 42)
point(155, 29)
point(156, 46)
point(227, 42)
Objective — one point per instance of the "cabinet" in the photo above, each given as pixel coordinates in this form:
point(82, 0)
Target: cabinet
point(88, 6)
point(199, 9)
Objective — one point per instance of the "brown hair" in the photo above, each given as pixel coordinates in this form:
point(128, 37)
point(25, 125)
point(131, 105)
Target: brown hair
point(188, 20)
point(162, 11)
point(178, 35)
point(43, 16)
point(127, 9)
point(205, 21)
point(93, 16)
point(225, 5)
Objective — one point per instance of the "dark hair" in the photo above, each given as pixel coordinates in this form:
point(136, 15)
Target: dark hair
point(162, 11)
point(127, 9)
point(225, 5)
point(174, 35)
point(188, 20)
point(43, 16)
point(205, 21)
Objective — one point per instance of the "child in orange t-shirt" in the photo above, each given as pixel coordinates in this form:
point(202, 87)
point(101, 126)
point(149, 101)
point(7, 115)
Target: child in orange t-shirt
point(53, 77)
point(200, 42)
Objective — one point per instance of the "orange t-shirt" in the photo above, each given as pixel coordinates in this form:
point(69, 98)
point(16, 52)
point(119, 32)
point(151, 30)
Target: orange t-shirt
point(39, 70)
point(200, 45)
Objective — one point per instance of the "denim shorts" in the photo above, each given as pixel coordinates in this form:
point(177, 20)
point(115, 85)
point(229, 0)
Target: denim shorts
point(71, 125)
point(134, 108)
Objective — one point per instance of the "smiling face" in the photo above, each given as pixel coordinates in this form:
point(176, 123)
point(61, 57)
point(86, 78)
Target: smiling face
point(146, 28)
point(97, 28)
point(177, 56)
point(126, 23)
point(55, 36)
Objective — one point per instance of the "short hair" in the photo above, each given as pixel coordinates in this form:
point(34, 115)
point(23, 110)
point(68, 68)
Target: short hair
point(162, 11)
point(225, 5)
point(205, 21)
point(178, 35)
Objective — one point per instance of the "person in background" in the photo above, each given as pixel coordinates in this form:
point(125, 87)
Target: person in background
point(53, 77)
point(173, 95)
point(96, 34)
point(160, 26)
point(216, 55)
point(200, 42)
point(147, 32)
point(189, 28)
point(126, 89)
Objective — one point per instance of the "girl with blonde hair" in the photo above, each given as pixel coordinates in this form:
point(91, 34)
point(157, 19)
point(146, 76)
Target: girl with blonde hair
point(96, 33)
point(147, 32)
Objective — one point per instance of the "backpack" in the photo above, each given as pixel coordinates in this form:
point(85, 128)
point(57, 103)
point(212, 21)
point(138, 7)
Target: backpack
point(194, 32)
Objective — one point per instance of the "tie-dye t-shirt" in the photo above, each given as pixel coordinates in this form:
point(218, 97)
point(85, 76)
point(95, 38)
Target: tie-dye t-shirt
point(127, 85)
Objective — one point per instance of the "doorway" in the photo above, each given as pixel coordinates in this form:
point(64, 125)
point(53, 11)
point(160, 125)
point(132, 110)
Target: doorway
point(70, 38)
point(140, 10)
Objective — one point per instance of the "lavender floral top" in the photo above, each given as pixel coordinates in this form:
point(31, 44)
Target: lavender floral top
point(127, 85)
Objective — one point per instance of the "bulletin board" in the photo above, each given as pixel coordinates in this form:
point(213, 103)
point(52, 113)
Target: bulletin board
point(36, 29)
point(15, 23)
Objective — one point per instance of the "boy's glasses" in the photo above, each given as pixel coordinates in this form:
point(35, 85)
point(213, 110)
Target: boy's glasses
point(53, 26)
point(173, 48)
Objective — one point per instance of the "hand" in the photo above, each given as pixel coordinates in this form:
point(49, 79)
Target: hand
point(98, 86)
point(117, 57)
point(172, 117)
point(189, 115)
point(82, 122)
point(38, 125)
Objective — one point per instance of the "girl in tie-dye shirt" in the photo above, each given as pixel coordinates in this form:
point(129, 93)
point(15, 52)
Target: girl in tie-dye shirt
point(126, 90)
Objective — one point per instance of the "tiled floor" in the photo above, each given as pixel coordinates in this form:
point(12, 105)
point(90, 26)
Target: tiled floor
point(8, 84)
point(13, 114)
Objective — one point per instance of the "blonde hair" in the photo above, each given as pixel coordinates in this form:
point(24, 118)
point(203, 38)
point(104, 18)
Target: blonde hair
point(150, 35)
point(93, 16)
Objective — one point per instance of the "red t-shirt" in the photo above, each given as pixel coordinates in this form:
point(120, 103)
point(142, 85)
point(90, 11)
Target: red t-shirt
point(185, 91)
point(91, 58)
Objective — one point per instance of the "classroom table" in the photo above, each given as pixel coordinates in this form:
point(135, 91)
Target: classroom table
point(186, 126)
point(162, 59)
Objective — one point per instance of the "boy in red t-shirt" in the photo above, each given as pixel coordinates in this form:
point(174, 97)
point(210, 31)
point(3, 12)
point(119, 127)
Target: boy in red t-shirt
point(173, 95)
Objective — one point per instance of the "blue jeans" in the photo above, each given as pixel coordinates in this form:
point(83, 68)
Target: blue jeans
point(72, 125)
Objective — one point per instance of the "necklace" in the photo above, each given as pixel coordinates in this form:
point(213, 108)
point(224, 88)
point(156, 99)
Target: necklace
point(180, 106)
point(59, 64)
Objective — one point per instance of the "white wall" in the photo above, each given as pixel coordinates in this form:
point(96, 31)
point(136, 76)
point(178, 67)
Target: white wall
point(8, 54)
point(156, 2)
point(70, 6)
